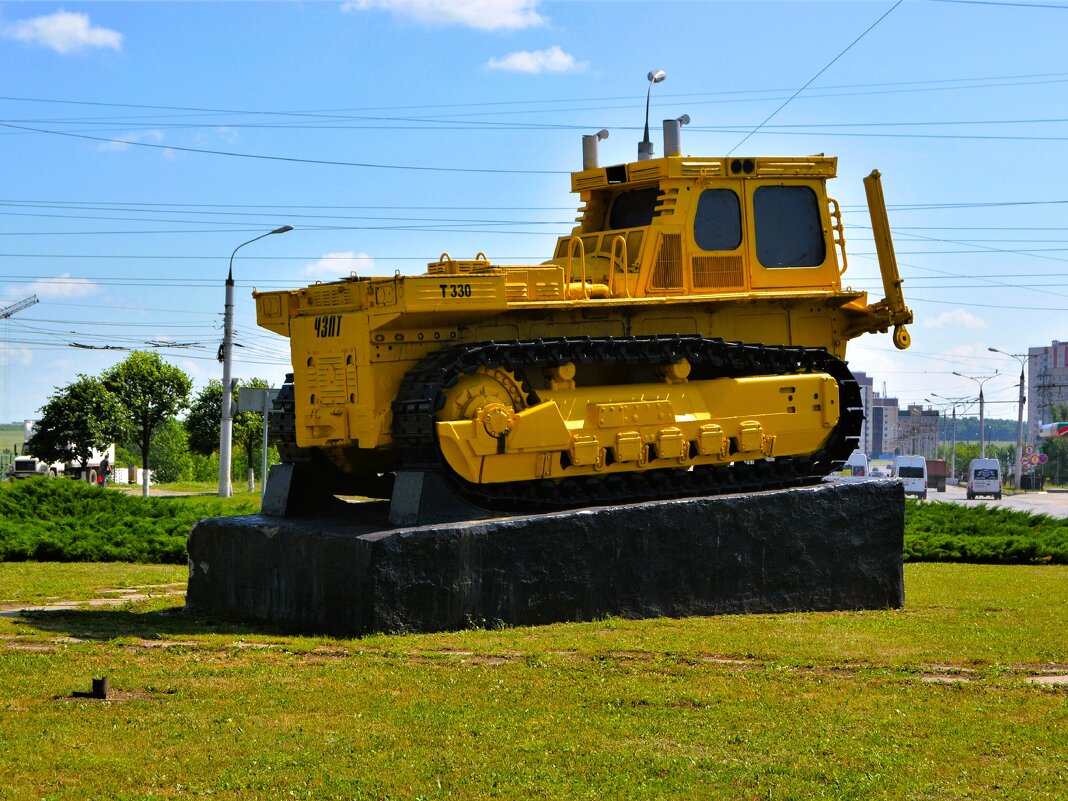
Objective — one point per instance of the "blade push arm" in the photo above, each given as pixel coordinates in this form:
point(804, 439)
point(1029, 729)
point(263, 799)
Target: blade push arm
point(891, 309)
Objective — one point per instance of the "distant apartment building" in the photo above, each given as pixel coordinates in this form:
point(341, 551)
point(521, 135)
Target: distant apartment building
point(882, 422)
point(1047, 384)
point(892, 430)
point(867, 394)
point(917, 431)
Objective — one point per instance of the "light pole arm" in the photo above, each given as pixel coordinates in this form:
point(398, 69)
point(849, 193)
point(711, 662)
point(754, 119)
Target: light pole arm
point(282, 230)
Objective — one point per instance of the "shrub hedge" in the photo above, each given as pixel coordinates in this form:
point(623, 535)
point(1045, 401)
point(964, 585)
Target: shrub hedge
point(947, 532)
point(59, 520)
point(68, 521)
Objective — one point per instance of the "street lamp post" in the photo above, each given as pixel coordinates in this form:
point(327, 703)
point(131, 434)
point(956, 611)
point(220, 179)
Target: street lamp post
point(942, 429)
point(1022, 359)
point(980, 380)
point(952, 402)
point(226, 423)
point(645, 147)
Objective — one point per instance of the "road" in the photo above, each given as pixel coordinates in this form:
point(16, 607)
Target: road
point(1054, 504)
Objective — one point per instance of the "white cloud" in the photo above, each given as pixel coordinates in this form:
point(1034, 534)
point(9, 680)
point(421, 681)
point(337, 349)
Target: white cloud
point(19, 357)
point(224, 133)
point(227, 133)
point(123, 141)
point(64, 32)
point(958, 318)
point(534, 62)
point(337, 265)
point(486, 15)
point(62, 286)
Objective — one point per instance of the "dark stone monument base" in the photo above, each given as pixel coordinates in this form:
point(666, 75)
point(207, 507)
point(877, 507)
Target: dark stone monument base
point(828, 547)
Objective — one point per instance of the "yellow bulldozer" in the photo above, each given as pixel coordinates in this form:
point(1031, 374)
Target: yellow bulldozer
point(686, 338)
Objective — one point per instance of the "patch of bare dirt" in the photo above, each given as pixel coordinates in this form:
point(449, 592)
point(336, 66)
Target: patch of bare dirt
point(107, 598)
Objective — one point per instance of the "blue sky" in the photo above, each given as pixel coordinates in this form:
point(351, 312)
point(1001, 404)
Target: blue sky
point(140, 143)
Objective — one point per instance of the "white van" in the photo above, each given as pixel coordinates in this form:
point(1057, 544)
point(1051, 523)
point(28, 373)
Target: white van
point(855, 468)
point(912, 470)
point(984, 478)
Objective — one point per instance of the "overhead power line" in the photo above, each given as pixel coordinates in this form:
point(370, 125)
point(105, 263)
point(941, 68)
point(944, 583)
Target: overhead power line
point(786, 102)
point(583, 103)
point(1011, 5)
point(291, 159)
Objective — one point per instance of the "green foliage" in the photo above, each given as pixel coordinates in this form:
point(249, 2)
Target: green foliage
point(202, 423)
point(69, 521)
point(966, 451)
point(192, 466)
point(151, 392)
point(79, 418)
point(204, 468)
point(127, 456)
point(170, 444)
point(993, 430)
point(945, 532)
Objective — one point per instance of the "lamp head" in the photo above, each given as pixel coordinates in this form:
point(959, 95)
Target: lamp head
point(284, 229)
point(656, 76)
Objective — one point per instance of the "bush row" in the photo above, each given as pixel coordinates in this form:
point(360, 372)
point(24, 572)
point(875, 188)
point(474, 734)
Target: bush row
point(58, 520)
point(946, 532)
point(70, 521)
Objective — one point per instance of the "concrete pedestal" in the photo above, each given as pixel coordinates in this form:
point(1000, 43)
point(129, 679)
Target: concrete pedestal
point(829, 547)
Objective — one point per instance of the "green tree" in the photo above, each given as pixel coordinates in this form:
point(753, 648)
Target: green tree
point(170, 444)
point(79, 418)
point(205, 413)
point(151, 392)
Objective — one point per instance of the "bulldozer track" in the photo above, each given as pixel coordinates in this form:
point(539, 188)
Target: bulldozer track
point(422, 394)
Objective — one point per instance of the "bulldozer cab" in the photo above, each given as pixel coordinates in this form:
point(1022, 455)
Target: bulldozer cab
point(691, 226)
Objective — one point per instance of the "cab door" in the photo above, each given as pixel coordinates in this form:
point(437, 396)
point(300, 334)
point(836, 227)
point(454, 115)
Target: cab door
point(789, 243)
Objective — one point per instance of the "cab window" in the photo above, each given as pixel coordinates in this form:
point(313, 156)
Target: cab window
point(718, 222)
point(633, 209)
point(788, 228)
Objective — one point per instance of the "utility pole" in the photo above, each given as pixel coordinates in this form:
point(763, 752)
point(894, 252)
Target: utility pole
point(1022, 359)
point(226, 421)
point(980, 380)
point(952, 402)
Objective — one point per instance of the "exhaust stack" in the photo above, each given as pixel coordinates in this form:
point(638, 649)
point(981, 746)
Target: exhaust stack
point(673, 135)
point(589, 148)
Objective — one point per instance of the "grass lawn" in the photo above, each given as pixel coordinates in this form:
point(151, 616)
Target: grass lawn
point(933, 701)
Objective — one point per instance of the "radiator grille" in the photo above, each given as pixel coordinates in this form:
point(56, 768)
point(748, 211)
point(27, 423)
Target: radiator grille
point(668, 271)
point(718, 272)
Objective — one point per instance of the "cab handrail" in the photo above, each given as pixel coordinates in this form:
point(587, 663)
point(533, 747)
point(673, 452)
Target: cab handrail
point(621, 243)
point(582, 257)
